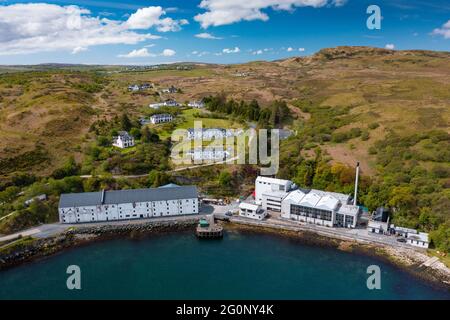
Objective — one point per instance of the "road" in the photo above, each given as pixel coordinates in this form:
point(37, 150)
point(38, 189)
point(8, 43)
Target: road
point(360, 235)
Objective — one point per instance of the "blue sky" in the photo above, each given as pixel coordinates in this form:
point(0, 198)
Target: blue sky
point(223, 31)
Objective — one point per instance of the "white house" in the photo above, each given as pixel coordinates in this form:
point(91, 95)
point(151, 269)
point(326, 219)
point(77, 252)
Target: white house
point(128, 204)
point(196, 104)
point(208, 133)
point(250, 210)
point(171, 89)
point(161, 118)
point(208, 154)
point(123, 140)
point(167, 103)
point(268, 185)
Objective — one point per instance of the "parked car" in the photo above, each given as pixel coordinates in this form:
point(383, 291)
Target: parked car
point(401, 240)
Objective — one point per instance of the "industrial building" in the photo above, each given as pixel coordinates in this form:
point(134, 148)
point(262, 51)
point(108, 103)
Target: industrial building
point(329, 209)
point(128, 204)
point(278, 187)
point(319, 207)
point(253, 211)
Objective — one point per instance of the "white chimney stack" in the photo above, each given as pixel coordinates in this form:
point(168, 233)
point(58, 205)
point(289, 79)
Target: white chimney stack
point(356, 184)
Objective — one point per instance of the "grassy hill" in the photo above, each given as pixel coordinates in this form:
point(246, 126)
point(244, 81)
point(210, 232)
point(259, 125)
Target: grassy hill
point(389, 110)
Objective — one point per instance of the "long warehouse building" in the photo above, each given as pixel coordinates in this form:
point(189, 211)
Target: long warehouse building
point(128, 204)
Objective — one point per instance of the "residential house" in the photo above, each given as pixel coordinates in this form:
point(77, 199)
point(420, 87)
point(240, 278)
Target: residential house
point(123, 140)
point(161, 118)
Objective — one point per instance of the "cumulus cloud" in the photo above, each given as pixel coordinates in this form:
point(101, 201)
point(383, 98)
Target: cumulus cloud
point(222, 12)
point(290, 49)
point(41, 27)
point(146, 18)
point(143, 53)
point(234, 50)
point(206, 35)
point(168, 53)
point(390, 46)
point(138, 53)
point(257, 52)
point(78, 50)
point(443, 31)
point(301, 49)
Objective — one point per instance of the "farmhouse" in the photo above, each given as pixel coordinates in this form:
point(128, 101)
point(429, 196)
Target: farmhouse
point(161, 118)
point(252, 211)
point(128, 204)
point(123, 140)
point(196, 104)
point(171, 89)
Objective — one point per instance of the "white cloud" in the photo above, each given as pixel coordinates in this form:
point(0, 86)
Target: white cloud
point(138, 53)
point(149, 17)
point(143, 53)
point(41, 27)
point(290, 49)
point(390, 46)
point(257, 52)
point(235, 50)
point(206, 35)
point(168, 53)
point(78, 50)
point(222, 12)
point(301, 49)
point(443, 31)
point(339, 3)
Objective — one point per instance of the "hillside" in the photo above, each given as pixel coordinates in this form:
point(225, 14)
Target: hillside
point(389, 110)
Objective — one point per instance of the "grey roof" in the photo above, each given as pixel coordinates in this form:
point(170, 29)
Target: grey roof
point(127, 196)
point(124, 135)
point(170, 185)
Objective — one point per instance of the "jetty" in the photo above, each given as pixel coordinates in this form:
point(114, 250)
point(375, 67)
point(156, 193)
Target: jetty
point(207, 228)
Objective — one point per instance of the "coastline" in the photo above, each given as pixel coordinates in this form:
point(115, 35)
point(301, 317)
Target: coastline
point(29, 249)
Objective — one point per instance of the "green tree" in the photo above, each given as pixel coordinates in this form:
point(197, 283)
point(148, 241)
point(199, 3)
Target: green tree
point(225, 179)
point(125, 122)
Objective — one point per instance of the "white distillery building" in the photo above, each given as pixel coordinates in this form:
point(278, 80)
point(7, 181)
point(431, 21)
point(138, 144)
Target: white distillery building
point(276, 187)
point(253, 211)
point(161, 118)
point(123, 140)
point(128, 204)
point(329, 209)
point(413, 237)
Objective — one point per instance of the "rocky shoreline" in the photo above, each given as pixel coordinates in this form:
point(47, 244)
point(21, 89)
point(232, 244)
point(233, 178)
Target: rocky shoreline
point(32, 249)
point(28, 249)
point(408, 260)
